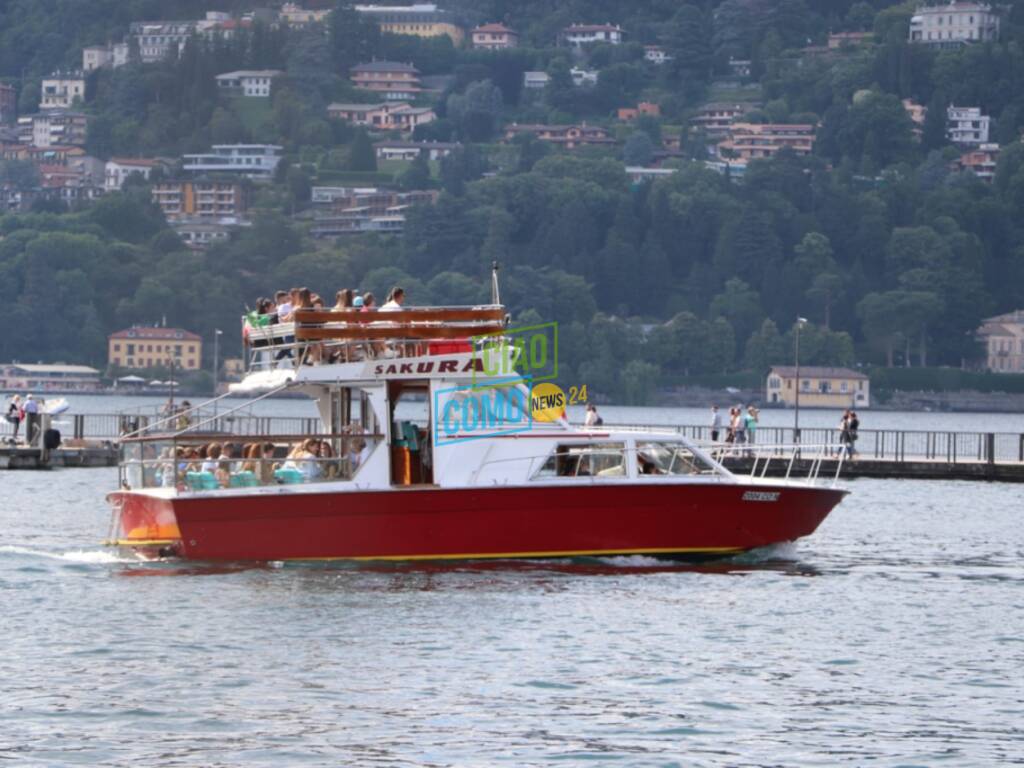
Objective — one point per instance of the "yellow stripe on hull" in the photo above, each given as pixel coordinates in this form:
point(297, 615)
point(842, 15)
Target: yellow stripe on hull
point(139, 542)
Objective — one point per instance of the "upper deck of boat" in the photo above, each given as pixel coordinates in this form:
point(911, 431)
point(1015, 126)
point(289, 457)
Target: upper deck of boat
point(353, 345)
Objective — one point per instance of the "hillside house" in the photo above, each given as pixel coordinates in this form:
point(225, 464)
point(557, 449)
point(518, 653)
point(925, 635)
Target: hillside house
point(494, 37)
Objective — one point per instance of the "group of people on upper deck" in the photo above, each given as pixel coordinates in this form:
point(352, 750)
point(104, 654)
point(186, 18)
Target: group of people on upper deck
point(284, 304)
point(281, 308)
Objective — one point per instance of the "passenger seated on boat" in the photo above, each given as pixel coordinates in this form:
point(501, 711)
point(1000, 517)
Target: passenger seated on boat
point(212, 459)
point(646, 466)
point(344, 298)
point(223, 474)
point(357, 453)
point(305, 459)
point(166, 469)
point(266, 472)
point(328, 466)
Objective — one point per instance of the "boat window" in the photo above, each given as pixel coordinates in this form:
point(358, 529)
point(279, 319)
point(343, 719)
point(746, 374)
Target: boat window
point(585, 460)
point(670, 459)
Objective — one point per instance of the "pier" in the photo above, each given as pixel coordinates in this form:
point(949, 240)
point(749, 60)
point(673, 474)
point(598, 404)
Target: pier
point(90, 440)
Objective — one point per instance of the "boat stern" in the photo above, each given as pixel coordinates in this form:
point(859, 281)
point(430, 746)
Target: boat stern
point(145, 523)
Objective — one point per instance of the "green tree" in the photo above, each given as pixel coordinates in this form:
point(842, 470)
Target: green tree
point(639, 380)
point(361, 155)
point(638, 149)
point(417, 175)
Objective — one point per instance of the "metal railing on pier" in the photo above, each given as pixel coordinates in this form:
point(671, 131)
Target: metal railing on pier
point(883, 444)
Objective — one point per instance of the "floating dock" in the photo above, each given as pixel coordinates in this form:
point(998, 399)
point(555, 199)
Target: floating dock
point(99, 454)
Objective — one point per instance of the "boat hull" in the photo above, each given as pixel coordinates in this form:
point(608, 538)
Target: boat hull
point(429, 523)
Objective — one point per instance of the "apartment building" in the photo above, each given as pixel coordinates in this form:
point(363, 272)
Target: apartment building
point(967, 125)
point(55, 127)
point(112, 55)
point(61, 89)
point(747, 141)
point(391, 80)
point(157, 40)
point(203, 198)
point(420, 19)
point(716, 119)
point(257, 161)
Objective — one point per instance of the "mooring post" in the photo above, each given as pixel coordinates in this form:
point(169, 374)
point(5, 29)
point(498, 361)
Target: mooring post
point(990, 447)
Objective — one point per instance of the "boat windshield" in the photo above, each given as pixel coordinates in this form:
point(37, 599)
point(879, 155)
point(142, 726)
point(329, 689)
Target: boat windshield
point(670, 458)
point(585, 460)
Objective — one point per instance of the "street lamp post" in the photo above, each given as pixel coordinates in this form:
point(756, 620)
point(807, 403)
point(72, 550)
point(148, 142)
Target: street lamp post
point(217, 332)
point(796, 417)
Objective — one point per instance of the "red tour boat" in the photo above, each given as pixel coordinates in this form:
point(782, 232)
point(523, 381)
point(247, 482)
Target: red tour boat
point(421, 454)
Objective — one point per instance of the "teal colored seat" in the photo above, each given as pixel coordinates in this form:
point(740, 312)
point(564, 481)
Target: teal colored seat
point(288, 476)
point(244, 479)
point(201, 481)
point(411, 435)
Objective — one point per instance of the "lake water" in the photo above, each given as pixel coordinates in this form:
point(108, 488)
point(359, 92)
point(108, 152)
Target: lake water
point(892, 636)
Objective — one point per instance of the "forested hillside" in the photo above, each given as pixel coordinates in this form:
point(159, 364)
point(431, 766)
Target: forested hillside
point(893, 252)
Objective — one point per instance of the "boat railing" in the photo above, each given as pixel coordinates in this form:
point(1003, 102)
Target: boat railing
point(804, 462)
point(183, 461)
point(319, 336)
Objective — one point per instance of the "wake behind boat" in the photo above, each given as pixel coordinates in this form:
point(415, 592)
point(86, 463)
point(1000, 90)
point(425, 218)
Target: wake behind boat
point(423, 453)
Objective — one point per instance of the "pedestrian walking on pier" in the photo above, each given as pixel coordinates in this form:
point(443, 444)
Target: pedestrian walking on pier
point(716, 423)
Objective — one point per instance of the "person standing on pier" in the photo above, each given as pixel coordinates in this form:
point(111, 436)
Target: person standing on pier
point(844, 434)
point(31, 411)
point(14, 415)
point(750, 421)
point(852, 425)
point(716, 423)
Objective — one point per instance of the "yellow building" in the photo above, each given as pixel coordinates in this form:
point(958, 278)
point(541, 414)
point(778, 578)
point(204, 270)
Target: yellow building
point(141, 347)
point(420, 19)
point(819, 387)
